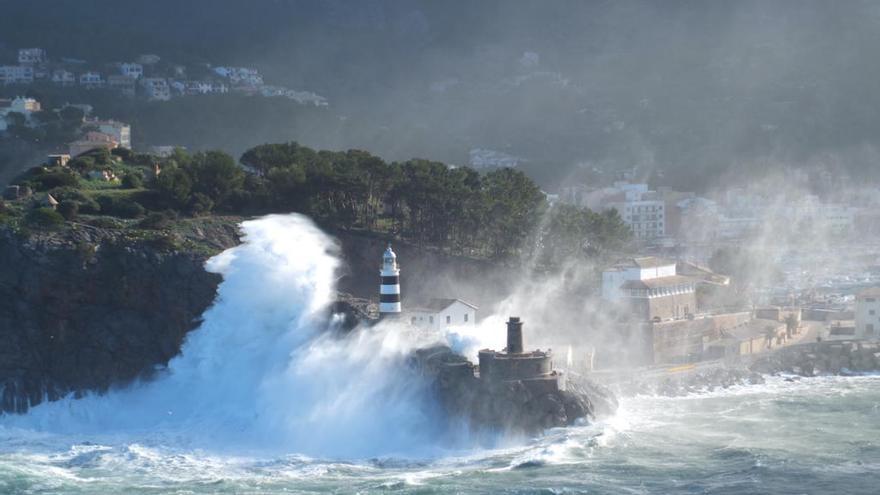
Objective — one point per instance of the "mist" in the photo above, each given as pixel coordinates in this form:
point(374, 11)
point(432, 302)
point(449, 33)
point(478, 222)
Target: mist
point(684, 90)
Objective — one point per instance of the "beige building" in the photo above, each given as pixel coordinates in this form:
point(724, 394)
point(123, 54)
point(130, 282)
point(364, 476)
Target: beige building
point(650, 288)
point(120, 132)
point(92, 141)
point(868, 314)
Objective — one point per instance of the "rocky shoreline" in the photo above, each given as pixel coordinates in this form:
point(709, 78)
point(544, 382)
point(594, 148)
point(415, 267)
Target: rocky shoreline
point(88, 308)
point(507, 406)
point(822, 358)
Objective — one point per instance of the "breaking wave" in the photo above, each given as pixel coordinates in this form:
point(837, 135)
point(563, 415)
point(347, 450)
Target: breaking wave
point(262, 373)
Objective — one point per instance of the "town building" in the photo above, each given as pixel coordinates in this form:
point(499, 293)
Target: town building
point(156, 88)
point(132, 70)
point(31, 56)
point(59, 160)
point(642, 210)
point(92, 141)
point(91, 80)
point(16, 74)
point(651, 288)
point(439, 314)
point(868, 314)
point(63, 77)
point(120, 132)
point(24, 106)
point(240, 75)
point(198, 88)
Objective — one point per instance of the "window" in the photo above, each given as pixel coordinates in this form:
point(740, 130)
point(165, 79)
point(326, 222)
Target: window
point(871, 312)
point(870, 299)
point(431, 319)
point(448, 319)
point(869, 329)
point(465, 317)
point(413, 321)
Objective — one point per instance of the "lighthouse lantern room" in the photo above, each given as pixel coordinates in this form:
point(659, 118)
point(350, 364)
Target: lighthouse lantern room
point(389, 290)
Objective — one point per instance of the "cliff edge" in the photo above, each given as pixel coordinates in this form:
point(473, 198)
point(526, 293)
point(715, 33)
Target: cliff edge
point(84, 308)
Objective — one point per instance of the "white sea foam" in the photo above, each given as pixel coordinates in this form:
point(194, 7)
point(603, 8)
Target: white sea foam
point(262, 373)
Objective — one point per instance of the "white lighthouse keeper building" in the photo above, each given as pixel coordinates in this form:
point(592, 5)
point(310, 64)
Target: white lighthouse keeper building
point(389, 290)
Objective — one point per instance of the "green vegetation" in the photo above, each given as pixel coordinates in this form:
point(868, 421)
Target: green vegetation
point(44, 218)
point(501, 215)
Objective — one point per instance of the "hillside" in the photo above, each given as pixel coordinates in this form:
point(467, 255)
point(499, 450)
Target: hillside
point(695, 90)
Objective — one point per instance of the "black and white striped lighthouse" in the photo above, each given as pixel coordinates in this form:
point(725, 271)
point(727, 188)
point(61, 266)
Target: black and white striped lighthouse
point(389, 290)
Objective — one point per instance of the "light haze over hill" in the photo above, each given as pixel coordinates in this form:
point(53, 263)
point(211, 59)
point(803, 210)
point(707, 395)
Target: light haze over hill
point(692, 89)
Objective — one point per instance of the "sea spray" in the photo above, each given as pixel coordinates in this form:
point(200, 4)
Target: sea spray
point(261, 372)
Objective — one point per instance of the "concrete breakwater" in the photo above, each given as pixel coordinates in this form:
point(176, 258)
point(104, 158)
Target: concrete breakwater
point(822, 358)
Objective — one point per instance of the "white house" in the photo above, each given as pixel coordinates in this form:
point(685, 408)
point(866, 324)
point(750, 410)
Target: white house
point(24, 106)
point(868, 314)
point(642, 210)
point(91, 80)
point(31, 56)
point(240, 75)
point(16, 74)
point(636, 269)
point(132, 70)
point(63, 77)
point(120, 132)
point(156, 88)
point(439, 314)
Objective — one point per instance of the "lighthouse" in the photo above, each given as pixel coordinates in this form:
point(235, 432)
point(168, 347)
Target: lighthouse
point(389, 290)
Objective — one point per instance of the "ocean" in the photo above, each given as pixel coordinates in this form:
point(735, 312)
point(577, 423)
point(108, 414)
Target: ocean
point(263, 400)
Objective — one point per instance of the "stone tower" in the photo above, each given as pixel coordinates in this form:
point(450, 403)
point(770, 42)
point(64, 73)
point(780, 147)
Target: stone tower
point(389, 290)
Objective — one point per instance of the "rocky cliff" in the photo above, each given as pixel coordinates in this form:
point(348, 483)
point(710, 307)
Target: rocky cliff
point(509, 406)
point(85, 308)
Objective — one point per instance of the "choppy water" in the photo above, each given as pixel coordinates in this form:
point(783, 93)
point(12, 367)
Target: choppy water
point(262, 400)
point(818, 435)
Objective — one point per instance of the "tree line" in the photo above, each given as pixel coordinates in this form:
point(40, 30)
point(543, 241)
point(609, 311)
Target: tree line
point(500, 214)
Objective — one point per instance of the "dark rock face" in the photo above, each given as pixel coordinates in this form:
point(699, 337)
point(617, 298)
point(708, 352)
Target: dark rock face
point(86, 309)
point(511, 405)
point(348, 311)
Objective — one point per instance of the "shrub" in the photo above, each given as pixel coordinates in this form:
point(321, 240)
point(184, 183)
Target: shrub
point(132, 180)
point(106, 204)
point(175, 187)
point(68, 209)
point(45, 218)
point(101, 156)
point(105, 223)
point(124, 153)
point(158, 220)
point(51, 180)
point(200, 204)
point(126, 208)
point(123, 208)
point(82, 164)
point(88, 206)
